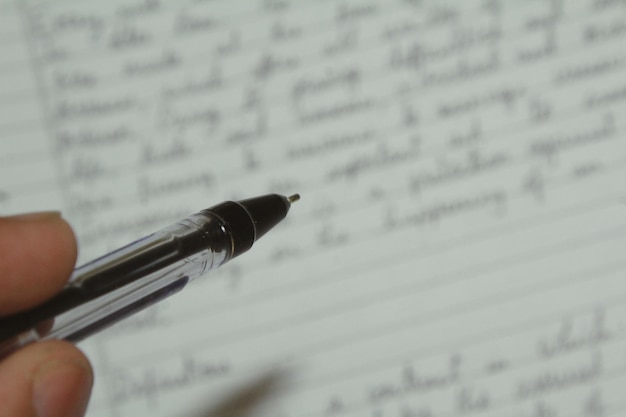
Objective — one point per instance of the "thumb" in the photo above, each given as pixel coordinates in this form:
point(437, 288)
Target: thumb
point(47, 379)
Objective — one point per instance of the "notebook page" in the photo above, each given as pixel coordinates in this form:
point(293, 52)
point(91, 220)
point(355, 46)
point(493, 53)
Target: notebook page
point(459, 245)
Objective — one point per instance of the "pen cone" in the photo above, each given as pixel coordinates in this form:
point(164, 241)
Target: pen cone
point(267, 211)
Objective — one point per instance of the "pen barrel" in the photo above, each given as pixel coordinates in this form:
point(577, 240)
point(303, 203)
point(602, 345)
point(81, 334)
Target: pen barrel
point(123, 282)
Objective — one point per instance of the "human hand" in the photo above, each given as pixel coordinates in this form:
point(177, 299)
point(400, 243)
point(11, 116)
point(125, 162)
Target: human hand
point(45, 379)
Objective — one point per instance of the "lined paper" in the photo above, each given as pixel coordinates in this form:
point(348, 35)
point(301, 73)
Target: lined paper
point(459, 247)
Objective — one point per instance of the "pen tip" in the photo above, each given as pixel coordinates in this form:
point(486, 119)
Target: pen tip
point(293, 198)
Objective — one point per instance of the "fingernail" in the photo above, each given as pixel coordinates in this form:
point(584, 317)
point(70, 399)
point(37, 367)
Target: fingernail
point(39, 215)
point(62, 389)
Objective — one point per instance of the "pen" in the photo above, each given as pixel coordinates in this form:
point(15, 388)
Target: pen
point(148, 270)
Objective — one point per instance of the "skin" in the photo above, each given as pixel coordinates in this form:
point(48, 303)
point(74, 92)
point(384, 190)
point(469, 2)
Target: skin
point(46, 379)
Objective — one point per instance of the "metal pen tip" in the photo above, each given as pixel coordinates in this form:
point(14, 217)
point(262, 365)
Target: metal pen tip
point(293, 198)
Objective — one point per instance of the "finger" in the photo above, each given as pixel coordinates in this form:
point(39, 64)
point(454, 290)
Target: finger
point(47, 379)
point(37, 255)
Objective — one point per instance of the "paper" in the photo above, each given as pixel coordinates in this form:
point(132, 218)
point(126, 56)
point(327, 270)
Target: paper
point(459, 245)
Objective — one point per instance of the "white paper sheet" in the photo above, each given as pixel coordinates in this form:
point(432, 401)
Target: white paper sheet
point(460, 244)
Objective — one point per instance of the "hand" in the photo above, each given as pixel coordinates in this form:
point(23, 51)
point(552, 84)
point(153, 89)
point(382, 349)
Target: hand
point(46, 379)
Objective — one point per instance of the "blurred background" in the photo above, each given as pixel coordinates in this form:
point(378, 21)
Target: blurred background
point(459, 245)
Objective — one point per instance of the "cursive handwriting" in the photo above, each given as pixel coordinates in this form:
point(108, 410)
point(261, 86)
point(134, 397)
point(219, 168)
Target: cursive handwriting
point(506, 97)
point(606, 97)
point(74, 80)
point(331, 79)
point(329, 144)
point(150, 384)
point(151, 188)
point(551, 147)
point(412, 381)
point(567, 338)
point(594, 68)
point(165, 60)
point(93, 108)
point(333, 111)
point(87, 138)
point(381, 157)
point(472, 164)
point(463, 69)
point(561, 378)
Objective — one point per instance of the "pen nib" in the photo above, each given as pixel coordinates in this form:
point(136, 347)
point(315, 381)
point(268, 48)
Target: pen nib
point(293, 198)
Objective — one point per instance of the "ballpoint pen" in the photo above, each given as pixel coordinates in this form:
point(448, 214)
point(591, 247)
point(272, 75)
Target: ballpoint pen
point(150, 269)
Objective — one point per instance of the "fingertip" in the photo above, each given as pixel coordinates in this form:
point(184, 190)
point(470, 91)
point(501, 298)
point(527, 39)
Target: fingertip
point(52, 378)
point(59, 351)
point(37, 255)
point(62, 386)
